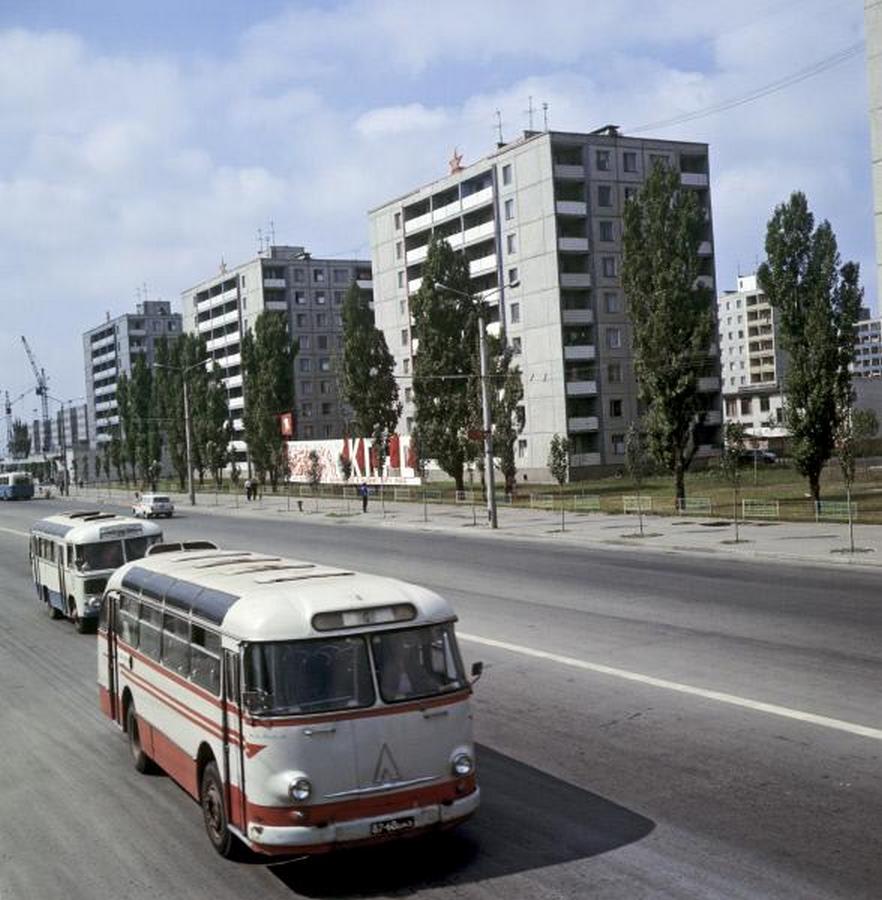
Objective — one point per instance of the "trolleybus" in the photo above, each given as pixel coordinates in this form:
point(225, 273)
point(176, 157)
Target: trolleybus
point(16, 486)
point(305, 707)
point(72, 556)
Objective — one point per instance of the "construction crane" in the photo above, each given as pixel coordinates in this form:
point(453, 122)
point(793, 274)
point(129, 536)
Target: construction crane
point(8, 410)
point(42, 391)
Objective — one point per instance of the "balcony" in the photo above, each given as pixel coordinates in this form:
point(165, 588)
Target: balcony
point(217, 300)
point(276, 305)
point(483, 265)
point(225, 362)
point(108, 341)
point(364, 284)
point(573, 244)
point(705, 248)
point(708, 384)
point(577, 460)
point(579, 352)
point(575, 280)
point(222, 341)
point(479, 198)
point(414, 285)
point(233, 382)
point(276, 283)
point(236, 402)
point(418, 254)
point(107, 389)
point(105, 357)
point(581, 423)
point(693, 179)
point(581, 388)
point(571, 208)
point(578, 316)
point(219, 322)
point(445, 212)
point(569, 171)
point(713, 417)
point(479, 232)
point(418, 223)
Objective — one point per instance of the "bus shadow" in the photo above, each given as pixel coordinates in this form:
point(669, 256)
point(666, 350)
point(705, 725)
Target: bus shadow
point(527, 820)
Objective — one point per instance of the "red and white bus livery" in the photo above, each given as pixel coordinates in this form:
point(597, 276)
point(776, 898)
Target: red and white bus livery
point(306, 707)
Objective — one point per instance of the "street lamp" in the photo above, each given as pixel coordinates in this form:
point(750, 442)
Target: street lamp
point(485, 396)
point(183, 370)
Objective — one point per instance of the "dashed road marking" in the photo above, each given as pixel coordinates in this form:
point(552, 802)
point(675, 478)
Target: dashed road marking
point(680, 688)
point(16, 532)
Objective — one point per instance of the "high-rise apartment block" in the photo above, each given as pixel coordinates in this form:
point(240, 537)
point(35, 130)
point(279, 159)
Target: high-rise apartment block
point(751, 360)
point(111, 349)
point(309, 293)
point(545, 213)
point(867, 348)
point(873, 30)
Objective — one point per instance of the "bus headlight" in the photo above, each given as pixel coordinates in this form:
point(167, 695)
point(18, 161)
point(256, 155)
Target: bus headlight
point(463, 765)
point(300, 789)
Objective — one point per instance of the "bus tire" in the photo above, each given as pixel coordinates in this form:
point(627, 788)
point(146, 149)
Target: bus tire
point(83, 626)
point(214, 814)
point(140, 759)
point(53, 612)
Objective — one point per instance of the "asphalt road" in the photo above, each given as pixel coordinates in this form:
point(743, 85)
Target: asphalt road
point(652, 726)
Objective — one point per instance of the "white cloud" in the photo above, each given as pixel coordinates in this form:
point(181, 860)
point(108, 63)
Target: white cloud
point(394, 120)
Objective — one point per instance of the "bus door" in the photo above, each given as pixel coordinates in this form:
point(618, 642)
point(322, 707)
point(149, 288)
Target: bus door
point(60, 552)
point(233, 762)
point(109, 609)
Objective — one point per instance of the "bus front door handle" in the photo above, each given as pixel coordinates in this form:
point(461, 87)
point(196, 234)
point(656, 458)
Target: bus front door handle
point(131, 661)
point(309, 732)
point(434, 714)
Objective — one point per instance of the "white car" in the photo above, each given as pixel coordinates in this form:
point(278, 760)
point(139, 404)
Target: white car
point(154, 505)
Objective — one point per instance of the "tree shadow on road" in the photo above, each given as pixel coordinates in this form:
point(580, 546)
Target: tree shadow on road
point(527, 820)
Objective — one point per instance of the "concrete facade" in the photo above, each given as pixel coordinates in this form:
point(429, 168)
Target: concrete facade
point(873, 29)
point(545, 211)
point(751, 360)
point(110, 349)
point(868, 348)
point(309, 293)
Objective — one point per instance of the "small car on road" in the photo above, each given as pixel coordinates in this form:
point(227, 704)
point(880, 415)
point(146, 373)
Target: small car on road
point(149, 505)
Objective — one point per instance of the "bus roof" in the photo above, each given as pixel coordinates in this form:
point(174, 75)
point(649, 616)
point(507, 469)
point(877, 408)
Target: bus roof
point(86, 526)
point(258, 597)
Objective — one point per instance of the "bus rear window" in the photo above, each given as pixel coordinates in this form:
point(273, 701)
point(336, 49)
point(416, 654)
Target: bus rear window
point(294, 677)
point(136, 548)
point(104, 555)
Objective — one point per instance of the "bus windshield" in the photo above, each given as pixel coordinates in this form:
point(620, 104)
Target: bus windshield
point(98, 556)
point(136, 547)
point(417, 662)
point(308, 676)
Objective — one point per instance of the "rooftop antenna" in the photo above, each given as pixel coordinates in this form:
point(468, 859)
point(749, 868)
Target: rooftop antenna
point(530, 111)
point(138, 295)
point(545, 116)
point(144, 286)
point(259, 241)
point(499, 139)
point(272, 237)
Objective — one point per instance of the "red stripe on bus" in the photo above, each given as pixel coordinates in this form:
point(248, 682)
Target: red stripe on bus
point(104, 700)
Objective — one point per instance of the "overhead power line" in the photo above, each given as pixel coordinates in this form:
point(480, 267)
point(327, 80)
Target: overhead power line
point(822, 65)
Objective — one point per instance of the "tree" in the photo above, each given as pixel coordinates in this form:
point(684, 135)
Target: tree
point(268, 375)
point(128, 433)
point(168, 391)
point(637, 464)
point(817, 302)
point(730, 463)
point(865, 423)
point(212, 431)
point(106, 452)
point(559, 465)
point(116, 457)
point(314, 474)
point(444, 324)
point(671, 315)
point(845, 450)
point(367, 370)
point(506, 393)
point(20, 442)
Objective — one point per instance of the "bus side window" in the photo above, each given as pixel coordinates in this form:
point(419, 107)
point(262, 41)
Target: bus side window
point(127, 620)
point(231, 674)
point(205, 652)
point(175, 643)
point(150, 624)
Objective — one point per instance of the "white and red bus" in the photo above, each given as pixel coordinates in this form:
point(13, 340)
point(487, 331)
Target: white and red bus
point(305, 707)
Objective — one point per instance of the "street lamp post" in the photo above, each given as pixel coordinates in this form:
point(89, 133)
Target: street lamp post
point(183, 370)
point(485, 399)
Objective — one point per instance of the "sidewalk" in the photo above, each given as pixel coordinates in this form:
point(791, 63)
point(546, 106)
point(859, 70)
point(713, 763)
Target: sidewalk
point(824, 543)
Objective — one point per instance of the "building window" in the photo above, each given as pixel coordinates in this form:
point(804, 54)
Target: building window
point(321, 320)
point(341, 276)
point(338, 298)
point(405, 366)
point(608, 266)
point(514, 313)
point(613, 338)
point(512, 276)
point(402, 307)
point(321, 298)
point(522, 448)
point(606, 231)
point(401, 279)
point(306, 410)
point(612, 303)
point(629, 161)
point(509, 209)
point(516, 346)
point(300, 298)
point(398, 221)
point(305, 364)
point(618, 444)
point(322, 342)
point(630, 193)
point(604, 195)
point(299, 276)
point(745, 406)
point(327, 431)
point(615, 409)
point(506, 174)
point(327, 409)
point(404, 337)
point(764, 404)
point(399, 252)
point(408, 395)
point(614, 373)
point(318, 276)
point(511, 243)
point(324, 364)
point(658, 159)
point(306, 388)
point(603, 160)
point(304, 342)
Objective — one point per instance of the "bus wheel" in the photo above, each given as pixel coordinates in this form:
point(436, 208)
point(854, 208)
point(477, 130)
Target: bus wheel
point(53, 612)
point(83, 626)
point(139, 757)
point(211, 796)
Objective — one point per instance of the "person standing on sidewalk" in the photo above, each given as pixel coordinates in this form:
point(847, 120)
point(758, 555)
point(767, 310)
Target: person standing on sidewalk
point(363, 493)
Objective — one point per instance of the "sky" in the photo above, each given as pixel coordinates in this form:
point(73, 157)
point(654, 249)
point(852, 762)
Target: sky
point(144, 142)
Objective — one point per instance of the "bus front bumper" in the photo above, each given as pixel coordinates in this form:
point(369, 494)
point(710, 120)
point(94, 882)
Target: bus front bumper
point(305, 839)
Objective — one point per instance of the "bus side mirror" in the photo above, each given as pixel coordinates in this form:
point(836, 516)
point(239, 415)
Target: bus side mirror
point(477, 671)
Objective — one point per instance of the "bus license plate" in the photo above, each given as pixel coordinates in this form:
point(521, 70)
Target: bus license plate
point(393, 826)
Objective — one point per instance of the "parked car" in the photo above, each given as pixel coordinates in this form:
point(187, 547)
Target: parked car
point(150, 505)
point(758, 456)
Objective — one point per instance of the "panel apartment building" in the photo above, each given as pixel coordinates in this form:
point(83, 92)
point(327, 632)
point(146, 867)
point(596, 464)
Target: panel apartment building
point(309, 293)
point(751, 360)
point(111, 349)
point(545, 212)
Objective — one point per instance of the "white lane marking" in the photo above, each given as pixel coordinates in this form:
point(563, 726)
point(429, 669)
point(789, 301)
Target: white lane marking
point(14, 531)
point(679, 687)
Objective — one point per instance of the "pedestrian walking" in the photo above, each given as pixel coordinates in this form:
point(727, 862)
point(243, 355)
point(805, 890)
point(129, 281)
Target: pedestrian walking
point(363, 493)
point(248, 489)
